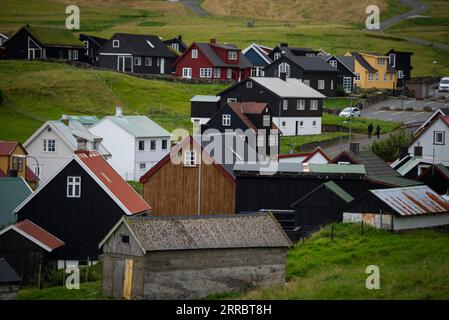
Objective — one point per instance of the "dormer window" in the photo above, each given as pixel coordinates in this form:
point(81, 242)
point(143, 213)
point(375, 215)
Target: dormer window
point(116, 43)
point(232, 55)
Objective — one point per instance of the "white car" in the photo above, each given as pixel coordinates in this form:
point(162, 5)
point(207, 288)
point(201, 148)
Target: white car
point(350, 112)
point(444, 84)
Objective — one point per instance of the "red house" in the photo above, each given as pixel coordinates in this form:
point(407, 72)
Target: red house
point(213, 61)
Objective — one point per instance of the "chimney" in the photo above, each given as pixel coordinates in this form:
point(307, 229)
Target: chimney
point(418, 151)
point(284, 44)
point(180, 38)
point(65, 119)
point(213, 41)
point(283, 76)
point(354, 148)
point(118, 111)
point(403, 152)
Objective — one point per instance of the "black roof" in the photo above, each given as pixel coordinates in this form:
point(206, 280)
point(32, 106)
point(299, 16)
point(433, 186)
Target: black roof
point(7, 274)
point(215, 59)
point(138, 44)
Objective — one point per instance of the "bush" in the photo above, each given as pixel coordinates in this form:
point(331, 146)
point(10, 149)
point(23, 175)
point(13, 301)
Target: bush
point(389, 149)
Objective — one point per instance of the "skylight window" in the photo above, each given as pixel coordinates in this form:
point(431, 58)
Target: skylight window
point(150, 44)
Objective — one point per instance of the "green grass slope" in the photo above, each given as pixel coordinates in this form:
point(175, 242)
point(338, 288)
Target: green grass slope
point(413, 265)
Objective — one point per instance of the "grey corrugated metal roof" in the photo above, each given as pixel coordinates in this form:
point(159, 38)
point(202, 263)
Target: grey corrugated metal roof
point(416, 200)
point(13, 191)
point(290, 88)
point(7, 274)
point(200, 98)
point(140, 126)
point(208, 232)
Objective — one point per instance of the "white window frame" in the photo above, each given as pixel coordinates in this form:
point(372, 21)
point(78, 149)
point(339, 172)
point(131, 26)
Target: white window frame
point(226, 120)
point(205, 72)
point(313, 105)
point(47, 145)
point(232, 55)
point(194, 53)
point(321, 84)
point(190, 159)
point(72, 183)
point(116, 43)
point(187, 73)
point(300, 104)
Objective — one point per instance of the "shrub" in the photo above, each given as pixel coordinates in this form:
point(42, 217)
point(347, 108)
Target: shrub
point(389, 149)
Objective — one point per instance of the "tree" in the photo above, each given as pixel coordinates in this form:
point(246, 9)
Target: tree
point(390, 148)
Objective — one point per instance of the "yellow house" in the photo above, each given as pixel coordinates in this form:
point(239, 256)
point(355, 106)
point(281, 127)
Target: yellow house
point(13, 161)
point(373, 71)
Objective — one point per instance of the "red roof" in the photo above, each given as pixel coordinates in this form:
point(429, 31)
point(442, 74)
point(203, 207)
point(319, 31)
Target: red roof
point(38, 235)
point(30, 176)
point(117, 187)
point(7, 147)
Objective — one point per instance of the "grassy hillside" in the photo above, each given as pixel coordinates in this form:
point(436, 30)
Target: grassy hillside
point(35, 92)
point(413, 265)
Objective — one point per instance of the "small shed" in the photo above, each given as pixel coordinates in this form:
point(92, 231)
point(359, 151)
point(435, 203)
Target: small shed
point(26, 247)
point(192, 257)
point(323, 205)
point(9, 282)
point(399, 209)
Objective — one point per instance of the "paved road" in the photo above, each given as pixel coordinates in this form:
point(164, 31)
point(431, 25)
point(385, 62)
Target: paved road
point(417, 8)
point(195, 6)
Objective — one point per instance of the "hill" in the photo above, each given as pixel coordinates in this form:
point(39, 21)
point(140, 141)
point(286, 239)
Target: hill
point(413, 265)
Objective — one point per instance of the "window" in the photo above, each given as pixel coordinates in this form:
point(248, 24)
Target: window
point(148, 61)
point(229, 74)
point(153, 145)
point(439, 137)
point(333, 63)
point(314, 124)
point(164, 144)
point(306, 82)
point(301, 105)
point(260, 140)
point(232, 55)
point(115, 43)
point(73, 187)
point(249, 84)
point(17, 164)
point(284, 68)
point(217, 73)
point(49, 145)
point(190, 158)
point(142, 166)
point(277, 56)
point(392, 58)
point(194, 54)
point(400, 74)
point(321, 84)
point(125, 239)
point(370, 76)
point(175, 46)
point(230, 100)
point(137, 61)
point(357, 76)
point(187, 73)
point(313, 104)
point(266, 120)
point(226, 120)
point(381, 61)
point(205, 72)
point(285, 104)
point(141, 145)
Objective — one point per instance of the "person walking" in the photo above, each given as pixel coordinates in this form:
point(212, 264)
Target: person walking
point(378, 130)
point(370, 130)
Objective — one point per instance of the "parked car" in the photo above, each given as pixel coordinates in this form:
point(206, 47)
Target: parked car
point(350, 112)
point(444, 84)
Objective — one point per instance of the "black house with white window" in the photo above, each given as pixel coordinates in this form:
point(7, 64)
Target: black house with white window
point(313, 71)
point(176, 44)
point(297, 108)
point(346, 75)
point(80, 203)
point(32, 42)
point(135, 53)
point(401, 61)
point(92, 45)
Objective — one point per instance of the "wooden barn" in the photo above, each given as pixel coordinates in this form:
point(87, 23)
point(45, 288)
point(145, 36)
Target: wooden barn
point(192, 257)
point(9, 282)
point(26, 247)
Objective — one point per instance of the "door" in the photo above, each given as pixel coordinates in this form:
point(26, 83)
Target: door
point(128, 279)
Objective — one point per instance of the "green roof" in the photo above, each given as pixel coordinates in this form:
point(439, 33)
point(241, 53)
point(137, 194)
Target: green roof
point(335, 188)
point(396, 181)
point(338, 168)
point(13, 191)
point(54, 36)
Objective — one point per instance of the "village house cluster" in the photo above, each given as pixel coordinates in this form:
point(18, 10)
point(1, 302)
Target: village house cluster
point(213, 222)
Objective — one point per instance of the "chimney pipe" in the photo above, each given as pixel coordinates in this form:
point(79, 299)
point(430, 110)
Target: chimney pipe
point(118, 111)
point(418, 151)
point(65, 119)
point(213, 41)
point(283, 76)
point(354, 148)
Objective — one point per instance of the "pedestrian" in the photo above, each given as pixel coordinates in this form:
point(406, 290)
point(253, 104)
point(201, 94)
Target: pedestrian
point(378, 131)
point(370, 130)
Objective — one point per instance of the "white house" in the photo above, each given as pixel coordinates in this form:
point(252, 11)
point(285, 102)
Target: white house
point(56, 141)
point(136, 143)
point(432, 142)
